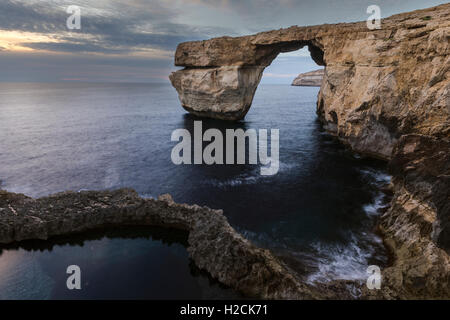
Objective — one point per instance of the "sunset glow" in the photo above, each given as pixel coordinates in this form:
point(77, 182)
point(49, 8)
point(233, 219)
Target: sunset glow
point(14, 40)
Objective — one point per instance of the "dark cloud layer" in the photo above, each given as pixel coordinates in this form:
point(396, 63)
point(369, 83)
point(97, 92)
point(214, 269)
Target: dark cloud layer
point(125, 31)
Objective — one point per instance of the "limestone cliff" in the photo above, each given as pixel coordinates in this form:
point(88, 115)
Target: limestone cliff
point(385, 93)
point(309, 79)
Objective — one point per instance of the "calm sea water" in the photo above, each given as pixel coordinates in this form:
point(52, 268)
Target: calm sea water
point(317, 213)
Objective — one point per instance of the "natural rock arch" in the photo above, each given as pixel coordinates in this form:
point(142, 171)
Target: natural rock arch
point(225, 89)
point(378, 84)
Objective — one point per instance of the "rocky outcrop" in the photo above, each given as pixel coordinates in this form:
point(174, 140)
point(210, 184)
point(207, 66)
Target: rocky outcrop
point(385, 93)
point(214, 245)
point(309, 79)
point(223, 93)
point(416, 227)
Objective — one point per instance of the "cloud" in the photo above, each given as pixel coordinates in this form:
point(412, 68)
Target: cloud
point(83, 47)
point(121, 28)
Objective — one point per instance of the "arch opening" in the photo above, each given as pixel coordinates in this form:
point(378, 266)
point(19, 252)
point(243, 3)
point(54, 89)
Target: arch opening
point(267, 53)
point(289, 65)
point(225, 90)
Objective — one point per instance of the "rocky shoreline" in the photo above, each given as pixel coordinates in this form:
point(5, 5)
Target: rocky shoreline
point(213, 245)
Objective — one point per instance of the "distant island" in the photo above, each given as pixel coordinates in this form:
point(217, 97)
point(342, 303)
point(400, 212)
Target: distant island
point(309, 79)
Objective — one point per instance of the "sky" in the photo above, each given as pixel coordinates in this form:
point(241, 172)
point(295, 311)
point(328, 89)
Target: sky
point(135, 40)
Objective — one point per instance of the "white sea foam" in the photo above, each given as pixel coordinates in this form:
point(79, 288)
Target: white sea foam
point(249, 178)
point(342, 262)
point(328, 261)
point(378, 176)
point(372, 209)
point(147, 196)
point(350, 261)
point(335, 261)
point(237, 181)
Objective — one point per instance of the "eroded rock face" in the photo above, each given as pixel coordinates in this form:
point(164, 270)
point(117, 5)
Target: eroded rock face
point(224, 93)
point(417, 225)
point(309, 79)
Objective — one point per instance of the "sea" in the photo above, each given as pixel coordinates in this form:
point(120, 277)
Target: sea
point(317, 214)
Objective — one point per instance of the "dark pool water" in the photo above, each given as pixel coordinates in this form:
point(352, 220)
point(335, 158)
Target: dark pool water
point(318, 213)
